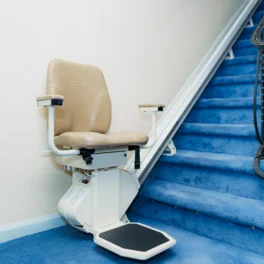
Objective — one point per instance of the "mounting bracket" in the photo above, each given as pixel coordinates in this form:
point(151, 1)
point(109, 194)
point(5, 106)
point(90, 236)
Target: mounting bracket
point(170, 150)
point(230, 55)
point(250, 23)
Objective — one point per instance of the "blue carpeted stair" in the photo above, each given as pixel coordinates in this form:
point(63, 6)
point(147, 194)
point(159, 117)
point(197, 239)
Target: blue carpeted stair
point(207, 196)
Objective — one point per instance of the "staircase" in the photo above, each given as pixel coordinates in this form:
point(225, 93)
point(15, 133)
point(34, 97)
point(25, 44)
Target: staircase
point(207, 196)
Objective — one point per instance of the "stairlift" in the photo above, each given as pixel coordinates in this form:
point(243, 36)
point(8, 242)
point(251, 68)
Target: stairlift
point(101, 193)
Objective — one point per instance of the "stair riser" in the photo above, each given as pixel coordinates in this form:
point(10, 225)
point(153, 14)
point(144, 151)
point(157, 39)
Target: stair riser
point(236, 70)
point(257, 17)
point(221, 116)
point(234, 183)
point(245, 51)
point(239, 236)
point(261, 6)
point(229, 91)
point(218, 144)
point(247, 33)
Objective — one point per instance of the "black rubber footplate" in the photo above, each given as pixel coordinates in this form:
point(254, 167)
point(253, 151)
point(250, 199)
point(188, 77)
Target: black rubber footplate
point(134, 236)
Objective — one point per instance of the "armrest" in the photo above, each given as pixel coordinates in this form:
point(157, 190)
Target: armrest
point(154, 108)
point(151, 107)
point(50, 100)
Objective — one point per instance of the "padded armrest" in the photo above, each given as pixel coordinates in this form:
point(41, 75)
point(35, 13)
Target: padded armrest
point(50, 100)
point(151, 107)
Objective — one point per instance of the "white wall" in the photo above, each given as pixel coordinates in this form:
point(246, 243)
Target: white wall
point(146, 48)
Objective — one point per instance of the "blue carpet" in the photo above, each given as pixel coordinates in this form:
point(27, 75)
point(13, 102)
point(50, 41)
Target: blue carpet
point(207, 196)
point(67, 245)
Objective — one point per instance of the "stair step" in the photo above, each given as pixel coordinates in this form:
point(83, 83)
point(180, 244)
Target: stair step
point(214, 179)
point(239, 210)
point(244, 48)
point(235, 139)
point(220, 230)
point(243, 43)
point(194, 249)
point(238, 66)
point(240, 60)
point(229, 139)
point(261, 6)
point(229, 91)
point(258, 16)
point(225, 103)
point(247, 33)
point(230, 87)
point(234, 80)
point(222, 129)
point(223, 111)
point(216, 161)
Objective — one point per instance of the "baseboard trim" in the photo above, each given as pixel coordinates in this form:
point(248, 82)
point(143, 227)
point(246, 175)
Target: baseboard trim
point(30, 227)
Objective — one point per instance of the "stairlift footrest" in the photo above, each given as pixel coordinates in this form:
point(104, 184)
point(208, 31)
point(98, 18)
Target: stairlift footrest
point(134, 240)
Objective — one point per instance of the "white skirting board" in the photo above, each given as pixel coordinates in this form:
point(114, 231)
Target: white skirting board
point(29, 227)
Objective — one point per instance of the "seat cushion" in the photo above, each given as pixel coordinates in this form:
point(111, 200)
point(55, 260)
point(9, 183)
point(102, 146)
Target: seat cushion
point(93, 140)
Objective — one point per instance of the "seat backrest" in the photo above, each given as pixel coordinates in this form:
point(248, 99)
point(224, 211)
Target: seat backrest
point(87, 105)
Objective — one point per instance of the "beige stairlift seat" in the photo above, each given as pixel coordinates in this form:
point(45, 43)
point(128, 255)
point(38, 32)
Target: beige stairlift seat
point(84, 118)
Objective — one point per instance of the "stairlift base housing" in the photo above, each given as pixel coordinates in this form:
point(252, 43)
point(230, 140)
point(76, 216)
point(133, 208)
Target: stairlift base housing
point(101, 193)
point(97, 201)
point(99, 198)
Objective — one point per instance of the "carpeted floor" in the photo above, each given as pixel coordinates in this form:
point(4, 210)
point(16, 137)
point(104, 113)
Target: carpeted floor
point(207, 196)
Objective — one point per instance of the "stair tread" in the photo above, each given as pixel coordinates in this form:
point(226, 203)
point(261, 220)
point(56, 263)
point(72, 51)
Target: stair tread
point(243, 237)
point(240, 210)
point(245, 102)
point(240, 60)
point(239, 79)
point(249, 29)
point(238, 130)
point(219, 161)
point(196, 249)
point(258, 14)
point(243, 43)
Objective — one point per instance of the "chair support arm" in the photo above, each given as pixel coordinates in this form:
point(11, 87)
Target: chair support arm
point(51, 143)
point(154, 108)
